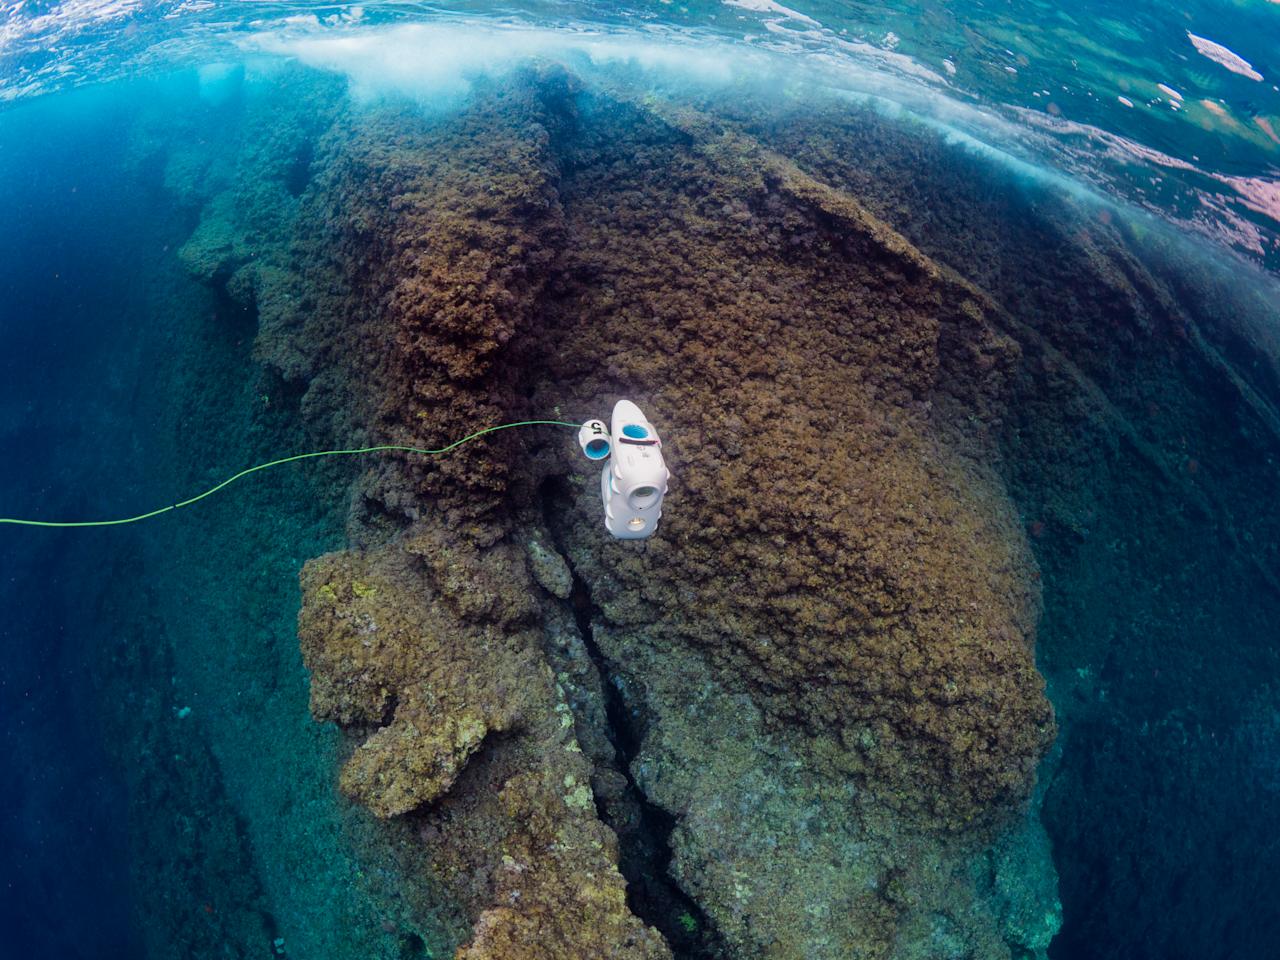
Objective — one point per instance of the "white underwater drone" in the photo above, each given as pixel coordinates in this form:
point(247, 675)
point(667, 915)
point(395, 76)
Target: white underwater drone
point(634, 481)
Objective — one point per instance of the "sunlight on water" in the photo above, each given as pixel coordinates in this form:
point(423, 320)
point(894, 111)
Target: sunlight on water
point(1146, 110)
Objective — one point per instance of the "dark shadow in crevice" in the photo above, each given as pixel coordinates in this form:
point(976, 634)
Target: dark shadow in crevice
point(238, 321)
point(298, 174)
point(412, 947)
point(645, 848)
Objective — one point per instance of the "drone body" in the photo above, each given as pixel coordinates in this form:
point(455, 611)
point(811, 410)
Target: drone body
point(634, 478)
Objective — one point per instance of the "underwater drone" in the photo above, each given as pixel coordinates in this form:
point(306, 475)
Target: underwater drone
point(632, 484)
point(634, 480)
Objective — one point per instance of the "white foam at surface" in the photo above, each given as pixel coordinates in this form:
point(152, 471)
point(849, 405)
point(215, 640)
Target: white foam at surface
point(1223, 56)
point(438, 63)
point(1228, 227)
point(1260, 195)
point(68, 17)
point(899, 62)
point(1112, 144)
point(771, 6)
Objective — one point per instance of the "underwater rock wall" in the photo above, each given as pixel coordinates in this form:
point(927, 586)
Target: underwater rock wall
point(1142, 450)
point(869, 601)
point(805, 719)
point(833, 553)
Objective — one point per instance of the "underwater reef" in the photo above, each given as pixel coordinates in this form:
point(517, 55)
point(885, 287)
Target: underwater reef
point(935, 439)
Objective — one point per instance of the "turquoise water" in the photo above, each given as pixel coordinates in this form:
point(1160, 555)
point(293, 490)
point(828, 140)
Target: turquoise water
point(1174, 108)
point(210, 209)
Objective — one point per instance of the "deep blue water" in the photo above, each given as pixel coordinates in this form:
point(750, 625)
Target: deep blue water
point(71, 325)
point(120, 393)
point(125, 383)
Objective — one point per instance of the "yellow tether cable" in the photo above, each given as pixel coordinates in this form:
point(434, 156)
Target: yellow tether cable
point(283, 460)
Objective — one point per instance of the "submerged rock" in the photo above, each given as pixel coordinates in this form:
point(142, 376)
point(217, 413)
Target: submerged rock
point(549, 569)
point(519, 840)
point(816, 685)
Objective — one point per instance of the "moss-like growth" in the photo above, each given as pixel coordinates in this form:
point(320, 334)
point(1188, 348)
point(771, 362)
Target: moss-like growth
point(443, 680)
point(838, 551)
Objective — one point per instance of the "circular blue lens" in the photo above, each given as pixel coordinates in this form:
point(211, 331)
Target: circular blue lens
point(633, 431)
point(598, 449)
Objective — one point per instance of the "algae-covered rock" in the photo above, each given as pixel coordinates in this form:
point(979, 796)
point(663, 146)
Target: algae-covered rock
point(817, 683)
point(549, 568)
point(408, 763)
point(447, 689)
point(834, 543)
point(210, 252)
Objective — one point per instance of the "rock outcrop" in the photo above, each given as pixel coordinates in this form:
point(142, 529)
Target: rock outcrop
point(816, 685)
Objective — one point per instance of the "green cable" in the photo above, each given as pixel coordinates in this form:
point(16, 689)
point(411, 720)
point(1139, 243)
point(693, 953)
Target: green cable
point(275, 463)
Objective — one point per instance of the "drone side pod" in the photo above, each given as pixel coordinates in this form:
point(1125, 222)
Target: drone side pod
point(593, 438)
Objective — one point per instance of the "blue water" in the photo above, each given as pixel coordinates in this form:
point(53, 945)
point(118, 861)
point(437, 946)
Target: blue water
point(1126, 101)
point(68, 320)
point(157, 753)
point(124, 644)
